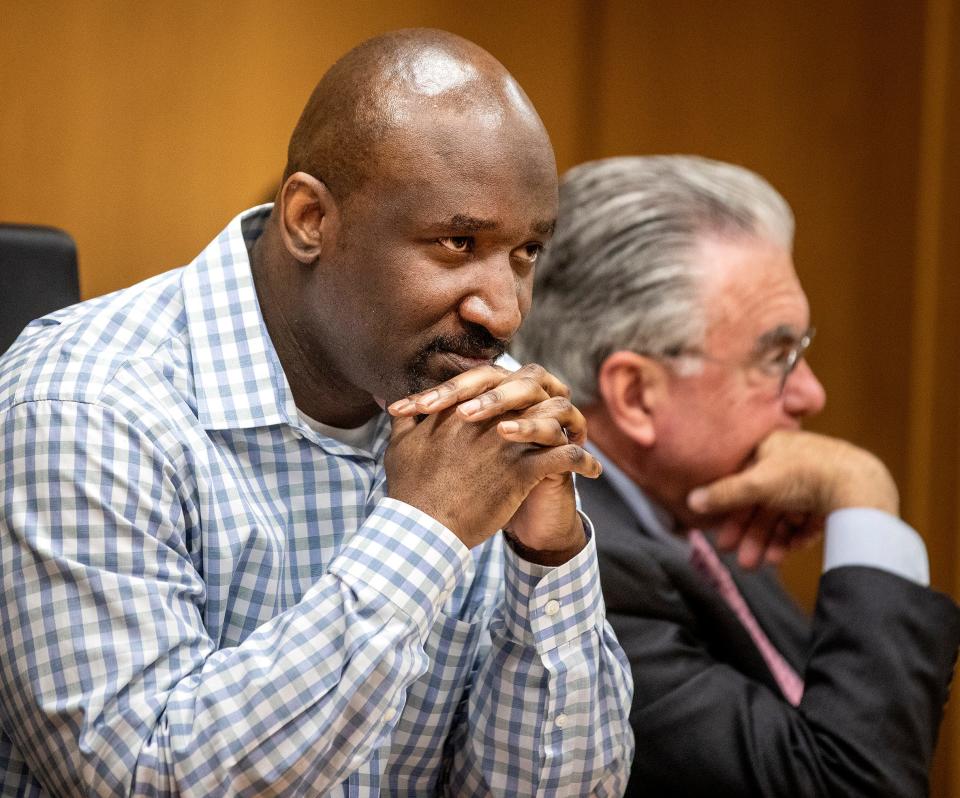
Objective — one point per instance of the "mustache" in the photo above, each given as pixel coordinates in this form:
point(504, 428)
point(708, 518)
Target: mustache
point(475, 342)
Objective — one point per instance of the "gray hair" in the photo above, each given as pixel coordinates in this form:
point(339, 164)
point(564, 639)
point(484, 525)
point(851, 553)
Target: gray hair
point(620, 272)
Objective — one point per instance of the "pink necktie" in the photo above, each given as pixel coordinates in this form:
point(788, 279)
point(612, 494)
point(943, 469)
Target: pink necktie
point(706, 561)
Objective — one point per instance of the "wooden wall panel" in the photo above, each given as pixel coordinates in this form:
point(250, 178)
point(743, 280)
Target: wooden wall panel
point(813, 102)
point(143, 128)
point(934, 480)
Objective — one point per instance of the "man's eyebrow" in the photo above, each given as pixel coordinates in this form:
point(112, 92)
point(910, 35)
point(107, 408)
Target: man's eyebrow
point(779, 335)
point(468, 224)
point(465, 223)
point(544, 228)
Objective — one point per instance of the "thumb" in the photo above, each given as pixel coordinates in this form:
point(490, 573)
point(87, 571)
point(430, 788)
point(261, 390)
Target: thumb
point(400, 426)
point(725, 494)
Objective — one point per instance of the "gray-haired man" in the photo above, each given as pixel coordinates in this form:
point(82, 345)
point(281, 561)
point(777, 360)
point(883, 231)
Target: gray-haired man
point(669, 303)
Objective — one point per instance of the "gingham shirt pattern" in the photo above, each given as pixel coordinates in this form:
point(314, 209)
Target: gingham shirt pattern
point(203, 596)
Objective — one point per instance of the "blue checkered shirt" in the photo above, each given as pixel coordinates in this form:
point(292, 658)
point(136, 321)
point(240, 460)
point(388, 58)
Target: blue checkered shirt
point(203, 596)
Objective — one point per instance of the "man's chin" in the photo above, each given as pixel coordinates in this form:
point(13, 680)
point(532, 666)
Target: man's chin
point(437, 367)
point(412, 384)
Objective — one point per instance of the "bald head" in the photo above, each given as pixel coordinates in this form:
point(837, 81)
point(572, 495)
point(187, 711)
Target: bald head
point(386, 89)
point(420, 188)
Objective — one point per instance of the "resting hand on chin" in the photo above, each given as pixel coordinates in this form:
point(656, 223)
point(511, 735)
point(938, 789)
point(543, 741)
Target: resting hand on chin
point(781, 499)
point(532, 416)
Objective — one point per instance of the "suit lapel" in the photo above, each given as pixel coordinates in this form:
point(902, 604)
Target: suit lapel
point(718, 626)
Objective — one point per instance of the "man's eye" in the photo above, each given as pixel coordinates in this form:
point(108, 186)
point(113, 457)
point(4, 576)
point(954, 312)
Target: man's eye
point(530, 252)
point(457, 243)
point(777, 358)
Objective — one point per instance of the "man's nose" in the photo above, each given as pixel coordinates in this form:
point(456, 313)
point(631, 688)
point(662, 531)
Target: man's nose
point(803, 395)
point(496, 300)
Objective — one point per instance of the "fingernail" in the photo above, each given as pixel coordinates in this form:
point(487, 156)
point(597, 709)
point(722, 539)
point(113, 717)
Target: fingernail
point(509, 426)
point(697, 500)
point(399, 405)
point(471, 407)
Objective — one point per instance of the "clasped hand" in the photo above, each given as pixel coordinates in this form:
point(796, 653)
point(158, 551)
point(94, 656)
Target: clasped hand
point(491, 449)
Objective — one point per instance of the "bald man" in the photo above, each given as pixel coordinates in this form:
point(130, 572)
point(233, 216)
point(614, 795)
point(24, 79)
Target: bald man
point(227, 571)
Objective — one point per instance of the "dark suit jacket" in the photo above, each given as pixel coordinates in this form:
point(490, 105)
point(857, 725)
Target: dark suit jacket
point(708, 716)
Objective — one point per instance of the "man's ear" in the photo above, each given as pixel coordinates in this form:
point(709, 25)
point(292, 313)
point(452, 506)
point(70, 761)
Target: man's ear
point(632, 387)
point(309, 217)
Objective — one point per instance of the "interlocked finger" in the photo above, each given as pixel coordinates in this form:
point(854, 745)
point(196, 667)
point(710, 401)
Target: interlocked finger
point(461, 388)
point(542, 431)
point(568, 421)
point(485, 392)
point(521, 389)
point(567, 459)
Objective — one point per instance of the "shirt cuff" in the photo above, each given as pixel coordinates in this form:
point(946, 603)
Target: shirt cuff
point(407, 556)
point(548, 606)
point(875, 539)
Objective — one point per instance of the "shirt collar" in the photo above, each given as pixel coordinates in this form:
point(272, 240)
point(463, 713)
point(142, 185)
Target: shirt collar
point(237, 375)
point(651, 516)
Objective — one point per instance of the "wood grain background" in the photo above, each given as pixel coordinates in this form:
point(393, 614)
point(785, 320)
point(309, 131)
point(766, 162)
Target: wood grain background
point(143, 128)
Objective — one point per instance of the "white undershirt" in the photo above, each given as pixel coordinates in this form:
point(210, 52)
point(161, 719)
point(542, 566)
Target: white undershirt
point(358, 437)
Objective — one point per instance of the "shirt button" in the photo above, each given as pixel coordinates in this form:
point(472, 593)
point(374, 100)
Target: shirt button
point(551, 608)
point(389, 714)
point(560, 720)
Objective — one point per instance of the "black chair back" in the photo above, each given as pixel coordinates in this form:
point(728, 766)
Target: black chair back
point(38, 274)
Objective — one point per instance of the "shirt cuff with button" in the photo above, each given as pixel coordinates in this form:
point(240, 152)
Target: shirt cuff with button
point(547, 606)
point(868, 537)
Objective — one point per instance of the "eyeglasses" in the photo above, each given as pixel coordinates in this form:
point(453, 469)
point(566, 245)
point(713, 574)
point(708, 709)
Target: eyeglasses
point(777, 361)
point(794, 355)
